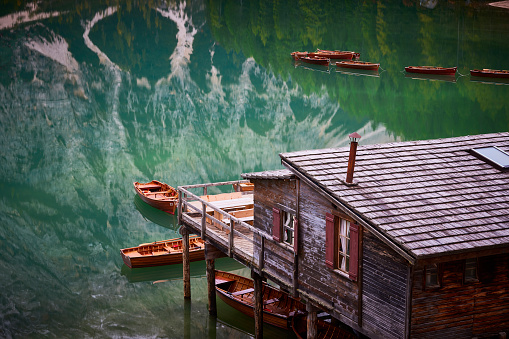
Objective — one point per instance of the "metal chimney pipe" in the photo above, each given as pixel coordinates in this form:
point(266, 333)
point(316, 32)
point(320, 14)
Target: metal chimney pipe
point(354, 140)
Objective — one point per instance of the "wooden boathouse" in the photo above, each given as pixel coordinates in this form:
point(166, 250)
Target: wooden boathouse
point(398, 240)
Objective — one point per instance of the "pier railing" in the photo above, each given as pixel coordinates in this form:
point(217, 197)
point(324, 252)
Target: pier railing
point(222, 229)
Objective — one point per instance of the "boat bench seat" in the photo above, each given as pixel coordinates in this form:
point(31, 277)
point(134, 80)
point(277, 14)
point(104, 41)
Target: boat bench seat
point(135, 254)
point(249, 290)
point(271, 301)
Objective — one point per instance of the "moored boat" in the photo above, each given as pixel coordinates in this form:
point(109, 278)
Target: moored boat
point(164, 252)
point(238, 292)
point(368, 66)
point(431, 70)
point(315, 60)
point(340, 54)
point(490, 73)
point(298, 55)
point(158, 195)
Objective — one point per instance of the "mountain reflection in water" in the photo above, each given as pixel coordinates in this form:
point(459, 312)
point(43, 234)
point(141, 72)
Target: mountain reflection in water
point(94, 97)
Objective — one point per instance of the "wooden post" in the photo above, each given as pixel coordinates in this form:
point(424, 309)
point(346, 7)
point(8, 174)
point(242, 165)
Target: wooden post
point(311, 321)
point(210, 254)
point(230, 239)
point(185, 262)
point(211, 286)
point(203, 220)
point(261, 254)
point(258, 304)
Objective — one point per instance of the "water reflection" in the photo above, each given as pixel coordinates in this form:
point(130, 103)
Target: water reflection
point(94, 97)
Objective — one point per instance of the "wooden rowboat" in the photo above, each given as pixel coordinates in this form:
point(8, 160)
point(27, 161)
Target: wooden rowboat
point(489, 73)
point(158, 194)
point(315, 60)
point(431, 70)
point(333, 55)
point(164, 252)
point(338, 54)
point(238, 292)
point(325, 330)
point(368, 66)
point(298, 55)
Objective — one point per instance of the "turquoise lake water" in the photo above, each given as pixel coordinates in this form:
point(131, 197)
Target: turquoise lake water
point(95, 96)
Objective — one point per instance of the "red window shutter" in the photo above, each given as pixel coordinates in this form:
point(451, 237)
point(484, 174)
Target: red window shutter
point(276, 224)
point(354, 251)
point(295, 235)
point(329, 240)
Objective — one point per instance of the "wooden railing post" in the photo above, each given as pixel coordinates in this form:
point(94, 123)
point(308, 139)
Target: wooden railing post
point(179, 217)
point(261, 254)
point(203, 220)
point(230, 239)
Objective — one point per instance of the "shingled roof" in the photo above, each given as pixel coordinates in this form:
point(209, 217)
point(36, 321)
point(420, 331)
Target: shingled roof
point(430, 197)
point(277, 174)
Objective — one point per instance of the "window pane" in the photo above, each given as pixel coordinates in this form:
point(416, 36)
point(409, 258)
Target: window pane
point(432, 276)
point(343, 245)
point(471, 269)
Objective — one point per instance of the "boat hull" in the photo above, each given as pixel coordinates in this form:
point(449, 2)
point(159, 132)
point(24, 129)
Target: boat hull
point(277, 313)
point(159, 253)
point(490, 73)
point(431, 70)
point(367, 66)
point(315, 60)
point(340, 54)
point(344, 56)
point(165, 202)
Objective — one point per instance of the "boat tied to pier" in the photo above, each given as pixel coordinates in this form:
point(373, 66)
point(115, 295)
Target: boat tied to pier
point(158, 195)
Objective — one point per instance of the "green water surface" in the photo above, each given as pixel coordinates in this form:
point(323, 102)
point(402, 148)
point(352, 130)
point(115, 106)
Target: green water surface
point(95, 95)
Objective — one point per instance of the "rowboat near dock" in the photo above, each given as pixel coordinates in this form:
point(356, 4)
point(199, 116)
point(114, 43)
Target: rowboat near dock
point(158, 194)
point(159, 253)
point(238, 292)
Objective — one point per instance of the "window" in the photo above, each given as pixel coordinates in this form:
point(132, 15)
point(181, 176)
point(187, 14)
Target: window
point(492, 155)
point(285, 227)
point(470, 274)
point(342, 244)
point(343, 252)
point(288, 228)
point(431, 276)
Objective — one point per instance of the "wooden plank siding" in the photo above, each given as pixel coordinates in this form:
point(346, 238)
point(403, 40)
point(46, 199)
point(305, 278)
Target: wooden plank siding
point(384, 295)
point(278, 258)
point(315, 278)
point(333, 289)
point(458, 309)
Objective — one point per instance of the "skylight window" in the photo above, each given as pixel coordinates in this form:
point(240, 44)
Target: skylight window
point(493, 155)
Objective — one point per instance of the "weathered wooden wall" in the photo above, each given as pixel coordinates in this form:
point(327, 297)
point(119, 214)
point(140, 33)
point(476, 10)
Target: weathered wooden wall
point(462, 310)
point(315, 278)
point(278, 258)
point(384, 290)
